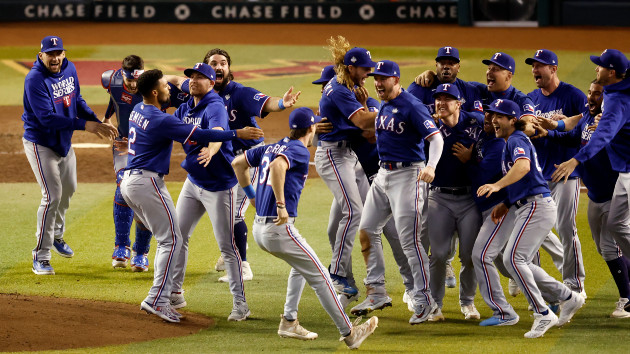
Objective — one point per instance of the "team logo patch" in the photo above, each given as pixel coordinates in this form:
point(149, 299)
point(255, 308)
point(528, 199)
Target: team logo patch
point(67, 101)
point(478, 106)
point(182, 96)
point(519, 151)
point(429, 124)
point(258, 96)
point(125, 97)
point(528, 108)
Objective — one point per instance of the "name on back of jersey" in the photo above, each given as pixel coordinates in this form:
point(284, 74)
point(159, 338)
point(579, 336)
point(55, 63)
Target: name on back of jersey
point(139, 120)
point(384, 122)
point(276, 149)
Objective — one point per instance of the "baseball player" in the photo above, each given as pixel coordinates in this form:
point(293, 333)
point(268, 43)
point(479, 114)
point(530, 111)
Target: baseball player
point(208, 188)
point(402, 125)
point(53, 110)
point(151, 135)
point(451, 206)
point(529, 198)
point(121, 85)
point(554, 97)
point(599, 177)
point(365, 170)
point(613, 134)
point(334, 159)
point(283, 170)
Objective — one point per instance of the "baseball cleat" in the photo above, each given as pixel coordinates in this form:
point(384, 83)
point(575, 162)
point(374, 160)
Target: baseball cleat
point(120, 257)
point(345, 300)
point(177, 299)
point(450, 281)
point(470, 312)
point(423, 313)
point(176, 313)
point(620, 312)
point(163, 312)
point(43, 268)
point(341, 285)
point(292, 329)
point(513, 288)
point(495, 321)
point(436, 316)
point(541, 324)
point(360, 332)
point(247, 274)
point(371, 303)
point(62, 248)
point(408, 299)
point(240, 312)
point(140, 263)
point(220, 265)
point(569, 307)
point(627, 306)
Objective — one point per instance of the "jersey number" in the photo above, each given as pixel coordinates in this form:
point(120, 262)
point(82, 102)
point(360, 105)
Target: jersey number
point(131, 140)
point(264, 169)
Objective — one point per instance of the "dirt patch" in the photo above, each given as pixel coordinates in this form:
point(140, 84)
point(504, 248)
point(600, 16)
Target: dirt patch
point(33, 322)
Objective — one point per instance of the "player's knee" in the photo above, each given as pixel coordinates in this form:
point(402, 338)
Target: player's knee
point(364, 238)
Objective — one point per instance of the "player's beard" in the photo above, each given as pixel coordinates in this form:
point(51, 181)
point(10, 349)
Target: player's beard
point(225, 79)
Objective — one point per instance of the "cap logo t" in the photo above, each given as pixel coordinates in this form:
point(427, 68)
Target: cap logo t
point(54, 40)
point(498, 102)
point(448, 50)
point(197, 65)
point(496, 55)
point(378, 65)
point(446, 86)
point(538, 52)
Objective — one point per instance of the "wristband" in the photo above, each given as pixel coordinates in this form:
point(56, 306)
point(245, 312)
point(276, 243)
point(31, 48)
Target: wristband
point(249, 192)
point(281, 104)
point(280, 206)
point(560, 126)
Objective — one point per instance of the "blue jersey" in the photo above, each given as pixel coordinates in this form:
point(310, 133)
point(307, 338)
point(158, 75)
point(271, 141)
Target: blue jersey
point(121, 101)
point(470, 95)
point(53, 107)
point(243, 105)
point(485, 167)
point(519, 146)
point(209, 113)
point(297, 157)
point(450, 171)
point(402, 124)
point(151, 135)
point(339, 104)
point(366, 152)
point(613, 130)
point(525, 103)
point(178, 97)
point(566, 100)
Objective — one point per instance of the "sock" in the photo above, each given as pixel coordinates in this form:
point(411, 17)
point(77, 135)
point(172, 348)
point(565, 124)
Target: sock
point(240, 238)
point(619, 272)
point(143, 240)
point(123, 217)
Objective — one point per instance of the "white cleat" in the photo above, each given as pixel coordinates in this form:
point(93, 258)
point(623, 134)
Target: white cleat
point(513, 288)
point(541, 324)
point(470, 312)
point(220, 265)
point(408, 299)
point(177, 299)
point(247, 273)
point(620, 312)
point(346, 300)
point(240, 312)
point(292, 329)
point(436, 316)
point(568, 308)
point(359, 333)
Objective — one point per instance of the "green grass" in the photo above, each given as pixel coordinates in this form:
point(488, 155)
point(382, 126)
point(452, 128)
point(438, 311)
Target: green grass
point(89, 275)
point(575, 67)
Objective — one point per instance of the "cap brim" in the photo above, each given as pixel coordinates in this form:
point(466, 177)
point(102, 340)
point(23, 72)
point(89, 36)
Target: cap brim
point(53, 49)
point(189, 72)
point(597, 60)
point(382, 74)
point(320, 81)
point(444, 93)
point(447, 57)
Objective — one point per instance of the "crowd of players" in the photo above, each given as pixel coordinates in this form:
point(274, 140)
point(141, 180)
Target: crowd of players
point(445, 160)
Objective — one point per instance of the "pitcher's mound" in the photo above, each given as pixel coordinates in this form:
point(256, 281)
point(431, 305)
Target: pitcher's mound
point(32, 323)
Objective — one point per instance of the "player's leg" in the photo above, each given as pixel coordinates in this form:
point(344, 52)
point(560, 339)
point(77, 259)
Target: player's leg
point(468, 224)
point(488, 245)
point(189, 211)
point(610, 252)
point(45, 165)
point(553, 247)
point(567, 196)
point(390, 233)
point(441, 229)
point(336, 167)
point(376, 213)
point(619, 214)
point(123, 216)
point(68, 176)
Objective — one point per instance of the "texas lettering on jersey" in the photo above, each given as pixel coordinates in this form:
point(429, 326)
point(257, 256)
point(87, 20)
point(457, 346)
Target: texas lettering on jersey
point(385, 123)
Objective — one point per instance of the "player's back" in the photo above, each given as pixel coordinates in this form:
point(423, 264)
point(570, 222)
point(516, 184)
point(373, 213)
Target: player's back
point(338, 104)
point(149, 144)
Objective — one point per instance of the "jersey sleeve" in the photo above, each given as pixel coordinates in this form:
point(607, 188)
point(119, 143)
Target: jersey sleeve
point(527, 107)
point(295, 155)
point(217, 116)
point(422, 121)
point(111, 109)
point(346, 102)
point(373, 104)
point(519, 149)
point(254, 156)
point(252, 101)
point(609, 125)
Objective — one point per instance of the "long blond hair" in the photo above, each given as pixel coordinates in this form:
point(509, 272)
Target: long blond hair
point(338, 47)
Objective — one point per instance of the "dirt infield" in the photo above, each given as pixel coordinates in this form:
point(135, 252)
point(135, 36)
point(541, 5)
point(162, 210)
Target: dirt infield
point(24, 327)
point(34, 323)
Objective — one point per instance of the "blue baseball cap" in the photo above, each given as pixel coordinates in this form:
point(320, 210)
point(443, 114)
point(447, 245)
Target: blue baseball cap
point(359, 57)
point(328, 72)
point(386, 68)
point(611, 59)
point(303, 117)
point(50, 43)
point(447, 53)
point(202, 68)
point(449, 89)
point(544, 56)
point(503, 60)
point(507, 107)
